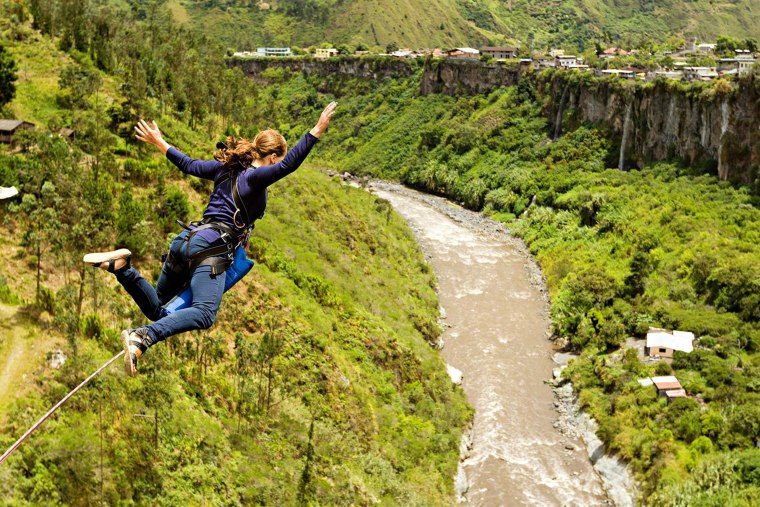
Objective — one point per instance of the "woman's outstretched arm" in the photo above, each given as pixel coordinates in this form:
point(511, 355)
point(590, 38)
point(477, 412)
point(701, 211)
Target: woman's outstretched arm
point(152, 135)
point(267, 175)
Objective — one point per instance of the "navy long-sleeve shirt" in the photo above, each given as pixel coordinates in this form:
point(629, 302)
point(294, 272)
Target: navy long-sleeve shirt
point(252, 182)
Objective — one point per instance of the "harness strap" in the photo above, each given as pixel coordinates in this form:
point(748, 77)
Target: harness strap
point(241, 218)
point(219, 257)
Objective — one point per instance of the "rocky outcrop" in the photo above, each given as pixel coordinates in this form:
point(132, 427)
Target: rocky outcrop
point(365, 67)
point(466, 77)
point(711, 125)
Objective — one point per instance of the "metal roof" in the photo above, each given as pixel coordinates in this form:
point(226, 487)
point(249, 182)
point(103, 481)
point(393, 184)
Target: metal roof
point(666, 383)
point(678, 340)
point(8, 125)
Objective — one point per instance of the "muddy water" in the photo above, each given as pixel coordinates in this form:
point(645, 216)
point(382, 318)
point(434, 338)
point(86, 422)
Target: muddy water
point(496, 334)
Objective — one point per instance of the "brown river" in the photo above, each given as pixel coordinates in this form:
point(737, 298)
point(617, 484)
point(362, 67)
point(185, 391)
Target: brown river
point(495, 314)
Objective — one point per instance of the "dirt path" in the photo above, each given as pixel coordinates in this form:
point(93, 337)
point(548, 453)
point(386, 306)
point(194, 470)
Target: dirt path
point(21, 350)
point(496, 314)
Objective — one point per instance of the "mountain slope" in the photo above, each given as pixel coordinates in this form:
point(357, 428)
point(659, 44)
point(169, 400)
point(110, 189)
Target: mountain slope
point(410, 23)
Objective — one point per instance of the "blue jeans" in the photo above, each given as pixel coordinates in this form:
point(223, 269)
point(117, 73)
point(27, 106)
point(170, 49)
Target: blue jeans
point(207, 292)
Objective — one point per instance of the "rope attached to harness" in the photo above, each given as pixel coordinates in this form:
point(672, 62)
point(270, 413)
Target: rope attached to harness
point(56, 407)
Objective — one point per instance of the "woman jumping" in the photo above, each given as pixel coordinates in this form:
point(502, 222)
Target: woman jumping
point(199, 256)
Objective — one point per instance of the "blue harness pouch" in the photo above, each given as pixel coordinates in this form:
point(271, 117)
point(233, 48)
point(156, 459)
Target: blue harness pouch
point(240, 267)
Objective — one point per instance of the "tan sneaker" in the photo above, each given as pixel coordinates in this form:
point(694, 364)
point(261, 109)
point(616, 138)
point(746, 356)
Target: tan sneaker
point(135, 342)
point(113, 261)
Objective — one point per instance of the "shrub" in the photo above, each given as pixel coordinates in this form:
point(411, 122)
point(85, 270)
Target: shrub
point(91, 326)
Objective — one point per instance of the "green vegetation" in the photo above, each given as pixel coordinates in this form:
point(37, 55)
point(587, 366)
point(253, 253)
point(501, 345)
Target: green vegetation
point(246, 24)
point(317, 385)
point(666, 246)
point(311, 389)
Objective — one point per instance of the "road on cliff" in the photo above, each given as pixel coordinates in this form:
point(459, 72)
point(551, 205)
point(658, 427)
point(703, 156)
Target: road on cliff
point(495, 313)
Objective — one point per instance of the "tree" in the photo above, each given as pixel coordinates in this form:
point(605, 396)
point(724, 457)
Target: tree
point(726, 46)
point(77, 83)
point(391, 47)
point(7, 76)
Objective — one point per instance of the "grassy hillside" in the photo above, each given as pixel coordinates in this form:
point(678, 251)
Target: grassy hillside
point(317, 384)
point(529, 23)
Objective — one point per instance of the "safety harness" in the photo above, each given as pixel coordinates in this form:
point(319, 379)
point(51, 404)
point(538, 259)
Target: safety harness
point(219, 257)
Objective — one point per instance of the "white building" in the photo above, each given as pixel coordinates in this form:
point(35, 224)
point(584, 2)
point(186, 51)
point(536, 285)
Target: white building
point(567, 61)
point(625, 74)
point(273, 52)
point(661, 343)
point(325, 52)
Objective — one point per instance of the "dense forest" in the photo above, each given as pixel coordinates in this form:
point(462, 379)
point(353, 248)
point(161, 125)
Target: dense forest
point(318, 384)
point(668, 246)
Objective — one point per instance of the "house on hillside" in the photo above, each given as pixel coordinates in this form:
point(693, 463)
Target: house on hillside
point(325, 53)
point(612, 53)
point(735, 66)
point(273, 52)
point(666, 74)
point(706, 47)
point(9, 128)
point(499, 52)
point(699, 73)
point(404, 54)
point(566, 61)
point(555, 52)
point(67, 134)
point(621, 73)
point(468, 53)
point(661, 343)
point(669, 387)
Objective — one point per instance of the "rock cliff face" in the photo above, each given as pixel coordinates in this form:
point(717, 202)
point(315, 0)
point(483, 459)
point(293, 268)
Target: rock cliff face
point(367, 68)
point(717, 128)
point(457, 77)
point(714, 128)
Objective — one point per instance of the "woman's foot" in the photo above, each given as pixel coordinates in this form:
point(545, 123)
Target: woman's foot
point(113, 261)
point(135, 342)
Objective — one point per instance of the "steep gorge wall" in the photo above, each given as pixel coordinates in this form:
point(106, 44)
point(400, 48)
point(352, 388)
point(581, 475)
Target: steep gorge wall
point(366, 67)
point(457, 77)
point(716, 127)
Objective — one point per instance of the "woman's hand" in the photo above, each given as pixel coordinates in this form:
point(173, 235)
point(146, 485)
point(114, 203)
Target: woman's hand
point(324, 119)
point(151, 135)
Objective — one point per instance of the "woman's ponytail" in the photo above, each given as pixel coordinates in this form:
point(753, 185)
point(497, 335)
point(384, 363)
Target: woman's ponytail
point(243, 152)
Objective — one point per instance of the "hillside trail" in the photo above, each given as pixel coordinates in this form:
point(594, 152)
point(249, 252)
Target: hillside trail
point(496, 322)
point(21, 350)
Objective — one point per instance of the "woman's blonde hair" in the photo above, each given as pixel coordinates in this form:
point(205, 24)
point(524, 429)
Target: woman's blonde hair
point(244, 152)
